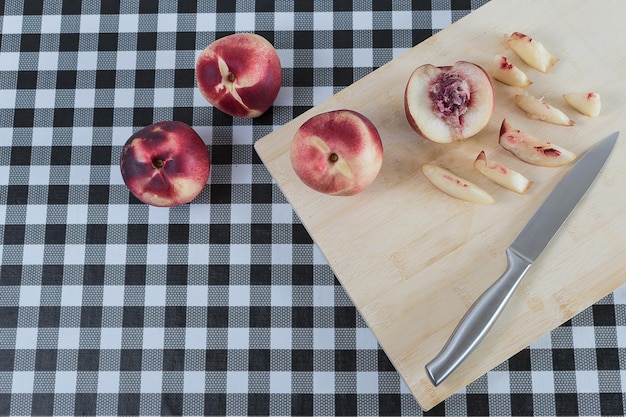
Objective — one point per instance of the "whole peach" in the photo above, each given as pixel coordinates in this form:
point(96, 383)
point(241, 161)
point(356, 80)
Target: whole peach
point(239, 74)
point(165, 164)
point(339, 152)
point(449, 103)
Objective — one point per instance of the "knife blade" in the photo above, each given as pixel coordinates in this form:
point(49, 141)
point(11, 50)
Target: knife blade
point(521, 254)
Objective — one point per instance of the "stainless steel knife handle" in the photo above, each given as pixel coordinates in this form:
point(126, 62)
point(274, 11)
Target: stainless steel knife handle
point(478, 320)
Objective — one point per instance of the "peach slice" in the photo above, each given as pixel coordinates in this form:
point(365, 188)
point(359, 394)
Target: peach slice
point(532, 150)
point(455, 186)
point(501, 174)
point(585, 103)
point(449, 103)
point(537, 108)
point(532, 52)
point(505, 72)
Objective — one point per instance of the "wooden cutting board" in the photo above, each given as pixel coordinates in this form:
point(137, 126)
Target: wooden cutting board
point(413, 259)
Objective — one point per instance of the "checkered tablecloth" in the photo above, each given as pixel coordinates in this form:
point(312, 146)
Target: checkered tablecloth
point(223, 306)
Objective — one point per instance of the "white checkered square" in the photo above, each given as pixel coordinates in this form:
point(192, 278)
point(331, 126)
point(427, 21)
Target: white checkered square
point(238, 338)
point(45, 98)
point(48, 61)
point(362, 57)
point(323, 338)
point(584, 337)
point(323, 382)
point(33, 254)
point(245, 22)
point(237, 382)
point(239, 295)
point(12, 24)
point(87, 60)
point(323, 21)
point(363, 20)
point(206, 21)
point(195, 338)
point(69, 338)
point(167, 22)
point(280, 338)
point(110, 338)
point(280, 382)
point(128, 23)
point(194, 382)
point(240, 253)
point(151, 382)
point(441, 19)
point(108, 382)
point(90, 23)
point(23, 382)
point(155, 295)
point(403, 19)
point(124, 97)
point(65, 382)
point(587, 381)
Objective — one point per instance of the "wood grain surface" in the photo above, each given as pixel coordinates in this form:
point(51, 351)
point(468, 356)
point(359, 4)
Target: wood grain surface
point(414, 259)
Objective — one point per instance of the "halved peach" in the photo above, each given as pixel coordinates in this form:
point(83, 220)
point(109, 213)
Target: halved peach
point(532, 52)
point(537, 108)
point(455, 186)
point(449, 103)
point(501, 174)
point(532, 150)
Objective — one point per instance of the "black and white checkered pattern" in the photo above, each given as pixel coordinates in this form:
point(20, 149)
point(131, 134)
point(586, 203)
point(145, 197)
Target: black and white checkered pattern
point(223, 306)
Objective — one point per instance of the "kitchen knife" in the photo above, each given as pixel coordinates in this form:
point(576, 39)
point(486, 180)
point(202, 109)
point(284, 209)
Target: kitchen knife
point(522, 253)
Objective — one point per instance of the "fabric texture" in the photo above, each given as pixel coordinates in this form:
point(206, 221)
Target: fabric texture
point(224, 306)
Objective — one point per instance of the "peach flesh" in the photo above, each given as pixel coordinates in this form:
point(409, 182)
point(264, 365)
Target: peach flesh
point(450, 94)
point(506, 72)
point(587, 103)
point(532, 52)
point(537, 108)
point(501, 174)
point(239, 74)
